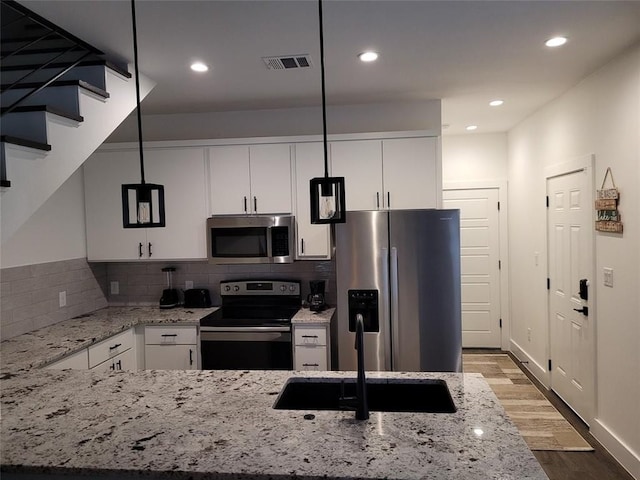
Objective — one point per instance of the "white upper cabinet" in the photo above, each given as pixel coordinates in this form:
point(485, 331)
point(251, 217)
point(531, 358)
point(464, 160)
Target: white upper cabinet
point(394, 173)
point(250, 179)
point(314, 241)
point(180, 170)
point(360, 163)
point(410, 174)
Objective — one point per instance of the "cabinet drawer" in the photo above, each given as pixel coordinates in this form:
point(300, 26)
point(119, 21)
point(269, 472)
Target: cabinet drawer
point(170, 335)
point(311, 358)
point(110, 347)
point(123, 361)
point(75, 361)
point(171, 357)
point(310, 335)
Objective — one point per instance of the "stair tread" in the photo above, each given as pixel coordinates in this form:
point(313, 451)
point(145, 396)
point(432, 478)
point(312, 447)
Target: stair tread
point(48, 109)
point(61, 83)
point(85, 63)
point(25, 142)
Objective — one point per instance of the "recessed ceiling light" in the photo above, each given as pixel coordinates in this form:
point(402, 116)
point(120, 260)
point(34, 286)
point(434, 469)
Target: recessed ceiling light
point(199, 67)
point(556, 41)
point(368, 56)
point(472, 127)
point(496, 103)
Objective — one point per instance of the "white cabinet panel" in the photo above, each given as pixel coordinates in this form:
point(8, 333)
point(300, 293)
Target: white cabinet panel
point(229, 179)
point(409, 172)
point(170, 357)
point(314, 241)
point(310, 335)
point(110, 347)
point(360, 162)
point(270, 178)
point(75, 361)
point(182, 173)
point(250, 179)
point(160, 335)
point(311, 358)
point(311, 347)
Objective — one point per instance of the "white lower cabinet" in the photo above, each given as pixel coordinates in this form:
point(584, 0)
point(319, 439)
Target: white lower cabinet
point(311, 347)
point(123, 361)
point(171, 348)
point(75, 361)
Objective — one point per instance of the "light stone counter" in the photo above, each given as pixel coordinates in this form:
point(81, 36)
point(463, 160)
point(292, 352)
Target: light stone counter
point(37, 348)
point(305, 315)
point(221, 425)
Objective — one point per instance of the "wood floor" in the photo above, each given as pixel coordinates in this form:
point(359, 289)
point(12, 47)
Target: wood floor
point(596, 465)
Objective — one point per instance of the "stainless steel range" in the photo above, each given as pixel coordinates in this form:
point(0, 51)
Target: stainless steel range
point(252, 329)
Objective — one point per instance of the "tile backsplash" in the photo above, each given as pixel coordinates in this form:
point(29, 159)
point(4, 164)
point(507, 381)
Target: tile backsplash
point(30, 295)
point(141, 283)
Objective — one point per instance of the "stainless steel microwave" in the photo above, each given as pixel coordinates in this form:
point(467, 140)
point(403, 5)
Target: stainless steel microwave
point(251, 239)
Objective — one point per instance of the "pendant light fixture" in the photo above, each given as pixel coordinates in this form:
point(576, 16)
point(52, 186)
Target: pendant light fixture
point(142, 203)
point(327, 193)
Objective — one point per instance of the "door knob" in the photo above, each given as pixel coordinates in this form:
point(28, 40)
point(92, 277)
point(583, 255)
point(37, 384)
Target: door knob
point(583, 310)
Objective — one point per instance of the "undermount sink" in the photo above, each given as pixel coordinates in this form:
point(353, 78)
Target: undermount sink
point(396, 395)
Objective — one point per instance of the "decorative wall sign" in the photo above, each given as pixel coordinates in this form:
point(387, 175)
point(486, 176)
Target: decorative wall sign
point(607, 200)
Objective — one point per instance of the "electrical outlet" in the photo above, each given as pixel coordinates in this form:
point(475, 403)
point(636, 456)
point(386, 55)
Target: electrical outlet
point(188, 284)
point(115, 288)
point(608, 276)
point(528, 334)
point(62, 298)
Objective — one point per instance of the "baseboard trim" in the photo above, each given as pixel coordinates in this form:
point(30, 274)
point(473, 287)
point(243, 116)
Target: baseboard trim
point(528, 362)
point(629, 460)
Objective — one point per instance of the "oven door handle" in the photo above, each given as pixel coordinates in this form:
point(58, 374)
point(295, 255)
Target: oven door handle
point(284, 328)
point(243, 337)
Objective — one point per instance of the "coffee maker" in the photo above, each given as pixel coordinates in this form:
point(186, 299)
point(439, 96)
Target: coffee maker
point(316, 298)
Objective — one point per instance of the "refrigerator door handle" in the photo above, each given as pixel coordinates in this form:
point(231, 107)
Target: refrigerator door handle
point(395, 309)
point(384, 306)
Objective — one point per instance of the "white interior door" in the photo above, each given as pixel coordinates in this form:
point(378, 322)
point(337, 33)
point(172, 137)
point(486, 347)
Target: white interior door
point(480, 257)
point(570, 257)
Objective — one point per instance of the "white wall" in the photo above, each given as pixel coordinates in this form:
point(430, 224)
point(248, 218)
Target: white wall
point(384, 117)
point(600, 116)
point(474, 157)
point(55, 232)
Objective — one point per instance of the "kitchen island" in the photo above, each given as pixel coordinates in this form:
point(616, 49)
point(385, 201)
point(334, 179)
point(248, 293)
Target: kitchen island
point(221, 424)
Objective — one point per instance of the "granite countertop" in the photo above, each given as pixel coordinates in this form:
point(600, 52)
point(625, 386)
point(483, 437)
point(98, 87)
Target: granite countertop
point(305, 315)
point(46, 345)
point(221, 424)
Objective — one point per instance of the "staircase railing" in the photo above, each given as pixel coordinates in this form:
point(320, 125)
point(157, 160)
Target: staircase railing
point(16, 31)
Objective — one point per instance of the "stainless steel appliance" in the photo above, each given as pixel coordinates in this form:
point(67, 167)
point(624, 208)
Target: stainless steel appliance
point(197, 298)
point(252, 329)
point(400, 269)
point(235, 239)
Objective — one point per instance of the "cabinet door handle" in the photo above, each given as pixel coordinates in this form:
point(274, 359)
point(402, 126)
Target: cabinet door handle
point(309, 336)
point(377, 199)
point(119, 364)
point(302, 246)
point(255, 204)
point(169, 335)
point(388, 199)
point(245, 204)
point(115, 346)
point(310, 365)
point(150, 252)
point(140, 250)
point(190, 357)
point(112, 367)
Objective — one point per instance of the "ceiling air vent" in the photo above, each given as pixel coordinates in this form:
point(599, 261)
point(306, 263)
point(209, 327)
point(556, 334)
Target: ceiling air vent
point(287, 62)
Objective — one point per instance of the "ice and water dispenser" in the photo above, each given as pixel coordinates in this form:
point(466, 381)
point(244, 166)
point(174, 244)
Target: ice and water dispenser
point(364, 302)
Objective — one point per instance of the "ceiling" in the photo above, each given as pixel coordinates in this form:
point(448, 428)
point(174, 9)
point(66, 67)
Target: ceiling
point(463, 52)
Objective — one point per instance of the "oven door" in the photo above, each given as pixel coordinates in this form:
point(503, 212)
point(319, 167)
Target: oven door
point(246, 348)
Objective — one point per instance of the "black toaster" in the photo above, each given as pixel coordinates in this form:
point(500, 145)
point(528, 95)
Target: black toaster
point(197, 298)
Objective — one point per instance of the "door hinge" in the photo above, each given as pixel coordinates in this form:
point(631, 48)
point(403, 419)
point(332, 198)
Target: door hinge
point(549, 364)
point(548, 284)
point(500, 323)
point(547, 201)
point(498, 206)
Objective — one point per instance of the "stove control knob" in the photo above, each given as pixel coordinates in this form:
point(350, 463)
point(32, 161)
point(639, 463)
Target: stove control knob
point(227, 288)
point(236, 288)
point(283, 288)
point(292, 288)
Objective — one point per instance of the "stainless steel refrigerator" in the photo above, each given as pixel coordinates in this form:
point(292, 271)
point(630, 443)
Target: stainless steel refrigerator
point(400, 269)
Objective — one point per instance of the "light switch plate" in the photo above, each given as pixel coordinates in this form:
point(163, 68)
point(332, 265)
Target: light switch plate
point(608, 276)
point(115, 288)
point(188, 284)
point(62, 298)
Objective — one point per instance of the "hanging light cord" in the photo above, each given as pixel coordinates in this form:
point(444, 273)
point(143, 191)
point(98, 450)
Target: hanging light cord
point(135, 63)
point(324, 106)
